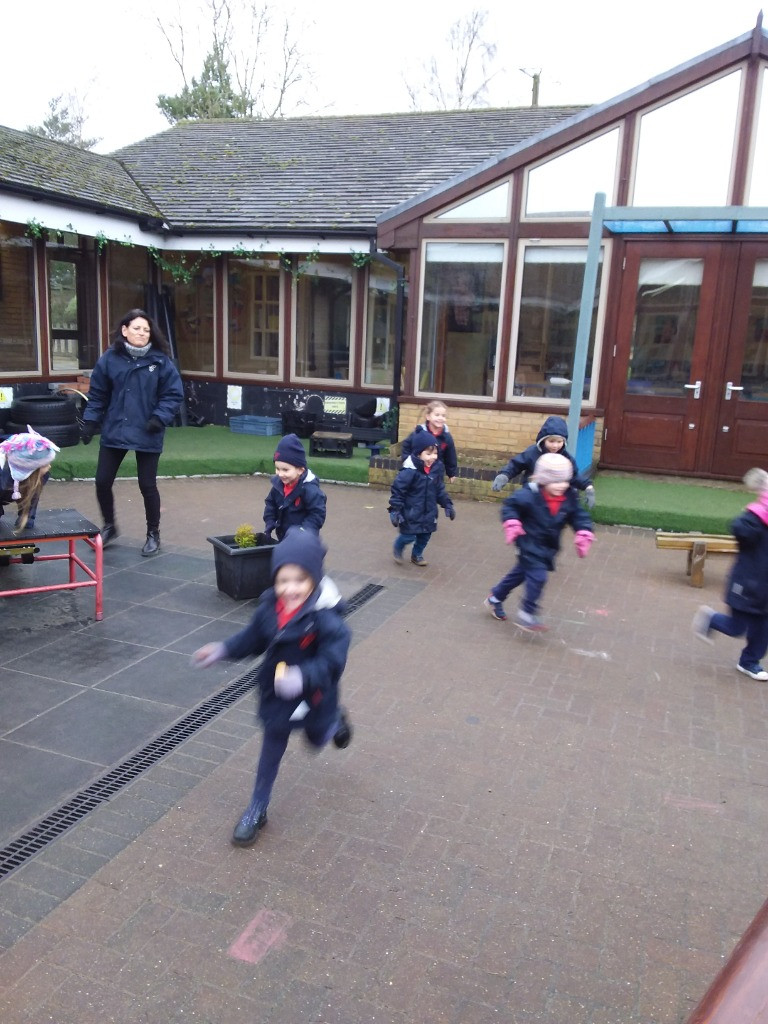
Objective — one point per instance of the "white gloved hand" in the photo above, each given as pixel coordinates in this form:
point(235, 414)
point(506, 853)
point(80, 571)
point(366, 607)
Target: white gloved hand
point(208, 655)
point(289, 681)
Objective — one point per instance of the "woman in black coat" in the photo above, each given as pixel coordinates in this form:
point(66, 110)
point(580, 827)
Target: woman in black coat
point(135, 392)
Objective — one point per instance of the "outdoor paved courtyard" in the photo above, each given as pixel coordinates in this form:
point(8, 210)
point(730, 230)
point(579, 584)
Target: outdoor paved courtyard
point(560, 829)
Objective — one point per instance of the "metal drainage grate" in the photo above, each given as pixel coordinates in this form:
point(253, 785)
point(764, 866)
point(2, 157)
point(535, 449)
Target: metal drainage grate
point(74, 810)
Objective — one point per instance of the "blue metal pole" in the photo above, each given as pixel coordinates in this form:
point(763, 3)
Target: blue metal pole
point(585, 321)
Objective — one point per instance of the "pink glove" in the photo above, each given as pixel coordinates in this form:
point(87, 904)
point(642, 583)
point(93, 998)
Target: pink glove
point(583, 541)
point(513, 529)
point(290, 683)
point(206, 656)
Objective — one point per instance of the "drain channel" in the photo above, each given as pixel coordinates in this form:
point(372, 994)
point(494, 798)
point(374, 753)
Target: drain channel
point(75, 809)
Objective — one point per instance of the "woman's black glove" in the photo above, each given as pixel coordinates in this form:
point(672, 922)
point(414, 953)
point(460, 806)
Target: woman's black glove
point(87, 430)
point(154, 425)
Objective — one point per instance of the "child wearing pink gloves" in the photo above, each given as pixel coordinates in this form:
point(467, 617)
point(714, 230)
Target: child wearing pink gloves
point(534, 517)
point(746, 592)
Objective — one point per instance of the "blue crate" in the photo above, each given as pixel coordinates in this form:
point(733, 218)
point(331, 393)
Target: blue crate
point(266, 426)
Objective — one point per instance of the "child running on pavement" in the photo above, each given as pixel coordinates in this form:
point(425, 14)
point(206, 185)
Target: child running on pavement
point(298, 628)
point(417, 490)
point(435, 425)
point(534, 517)
point(552, 437)
point(295, 498)
point(746, 592)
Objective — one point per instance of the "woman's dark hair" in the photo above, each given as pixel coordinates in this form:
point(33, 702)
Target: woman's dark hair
point(156, 336)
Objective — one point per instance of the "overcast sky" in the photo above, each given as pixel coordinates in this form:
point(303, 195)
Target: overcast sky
point(113, 56)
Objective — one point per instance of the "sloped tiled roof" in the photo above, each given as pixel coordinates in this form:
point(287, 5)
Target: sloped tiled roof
point(35, 166)
point(317, 174)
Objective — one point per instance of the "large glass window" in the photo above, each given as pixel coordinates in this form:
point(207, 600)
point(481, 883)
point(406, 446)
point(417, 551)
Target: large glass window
point(253, 304)
point(127, 277)
point(323, 292)
point(686, 148)
point(380, 327)
point(192, 297)
point(566, 184)
point(18, 334)
point(460, 318)
point(550, 301)
point(758, 179)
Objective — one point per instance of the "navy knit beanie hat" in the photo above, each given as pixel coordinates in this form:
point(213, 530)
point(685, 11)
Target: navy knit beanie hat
point(291, 450)
point(422, 439)
point(300, 546)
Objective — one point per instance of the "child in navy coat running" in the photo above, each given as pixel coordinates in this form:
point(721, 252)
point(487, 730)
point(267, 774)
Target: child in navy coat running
point(295, 498)
point(552, 437)
point(299, 630)
point(417, 490)
point(534, 517)
point(746, 592)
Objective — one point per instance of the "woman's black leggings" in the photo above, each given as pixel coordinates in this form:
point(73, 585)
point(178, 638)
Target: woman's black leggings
point(106, 471)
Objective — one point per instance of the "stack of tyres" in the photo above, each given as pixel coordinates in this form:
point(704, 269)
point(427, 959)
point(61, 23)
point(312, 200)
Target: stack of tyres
point(54, 416)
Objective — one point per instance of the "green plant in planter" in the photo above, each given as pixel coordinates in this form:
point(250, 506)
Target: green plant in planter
point(245, 536)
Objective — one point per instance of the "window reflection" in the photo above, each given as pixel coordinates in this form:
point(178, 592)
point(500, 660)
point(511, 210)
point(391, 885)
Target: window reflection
point(460, 320)
point(253, 316)
point(754, 373)
point(18, 334)
point(550, 303)
point(324, 321)
point(666, 310)
point(380, 333)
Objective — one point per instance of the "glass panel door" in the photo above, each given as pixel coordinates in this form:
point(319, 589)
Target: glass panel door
point(741, 433)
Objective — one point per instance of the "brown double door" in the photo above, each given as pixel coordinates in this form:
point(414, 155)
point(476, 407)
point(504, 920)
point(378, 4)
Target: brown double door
point(689, 368)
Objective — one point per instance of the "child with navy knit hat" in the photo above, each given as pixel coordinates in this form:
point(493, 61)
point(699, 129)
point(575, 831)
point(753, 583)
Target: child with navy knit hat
point(534, 517)
point(295, 498)
point(299, 630)
point(416, 492)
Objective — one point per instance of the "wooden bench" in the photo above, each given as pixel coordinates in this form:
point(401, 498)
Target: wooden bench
point(698, 546)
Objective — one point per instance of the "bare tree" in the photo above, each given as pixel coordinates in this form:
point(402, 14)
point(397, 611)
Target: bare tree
point(459, 80)
point(64, 122)
point(254, 61)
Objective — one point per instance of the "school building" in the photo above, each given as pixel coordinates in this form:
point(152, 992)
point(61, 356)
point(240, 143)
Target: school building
point(375, 262)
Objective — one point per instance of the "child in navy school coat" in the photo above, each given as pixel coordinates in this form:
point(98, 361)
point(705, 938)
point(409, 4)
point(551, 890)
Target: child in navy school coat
point(416, 492)
point(299, 630)
point(746, 592)
point(552, 437)
point(295, 498)
point(434, 424)
point(534, 517)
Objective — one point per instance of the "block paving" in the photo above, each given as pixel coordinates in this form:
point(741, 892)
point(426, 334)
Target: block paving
point(564, 828)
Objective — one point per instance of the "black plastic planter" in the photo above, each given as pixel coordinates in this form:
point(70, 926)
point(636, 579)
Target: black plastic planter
point(242, 573)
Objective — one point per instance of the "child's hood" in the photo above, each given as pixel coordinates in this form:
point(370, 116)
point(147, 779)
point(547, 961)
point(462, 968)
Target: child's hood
point(328, 594)
point(553, 426)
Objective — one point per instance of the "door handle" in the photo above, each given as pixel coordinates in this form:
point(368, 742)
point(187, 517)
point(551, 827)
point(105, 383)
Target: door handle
point(696, 388)
point(730, 388)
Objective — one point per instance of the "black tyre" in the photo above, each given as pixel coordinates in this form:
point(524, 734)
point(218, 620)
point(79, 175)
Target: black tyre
point(43, 409)
point(65, 435)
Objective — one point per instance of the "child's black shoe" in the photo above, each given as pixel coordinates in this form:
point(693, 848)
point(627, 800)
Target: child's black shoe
point(343, 735)
point(249, 826)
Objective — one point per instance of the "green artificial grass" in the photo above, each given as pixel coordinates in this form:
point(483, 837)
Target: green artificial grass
point(210, 451)
point(660, 505)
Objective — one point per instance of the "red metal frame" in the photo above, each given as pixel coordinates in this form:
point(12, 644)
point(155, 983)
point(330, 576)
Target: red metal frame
point(95, 575)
